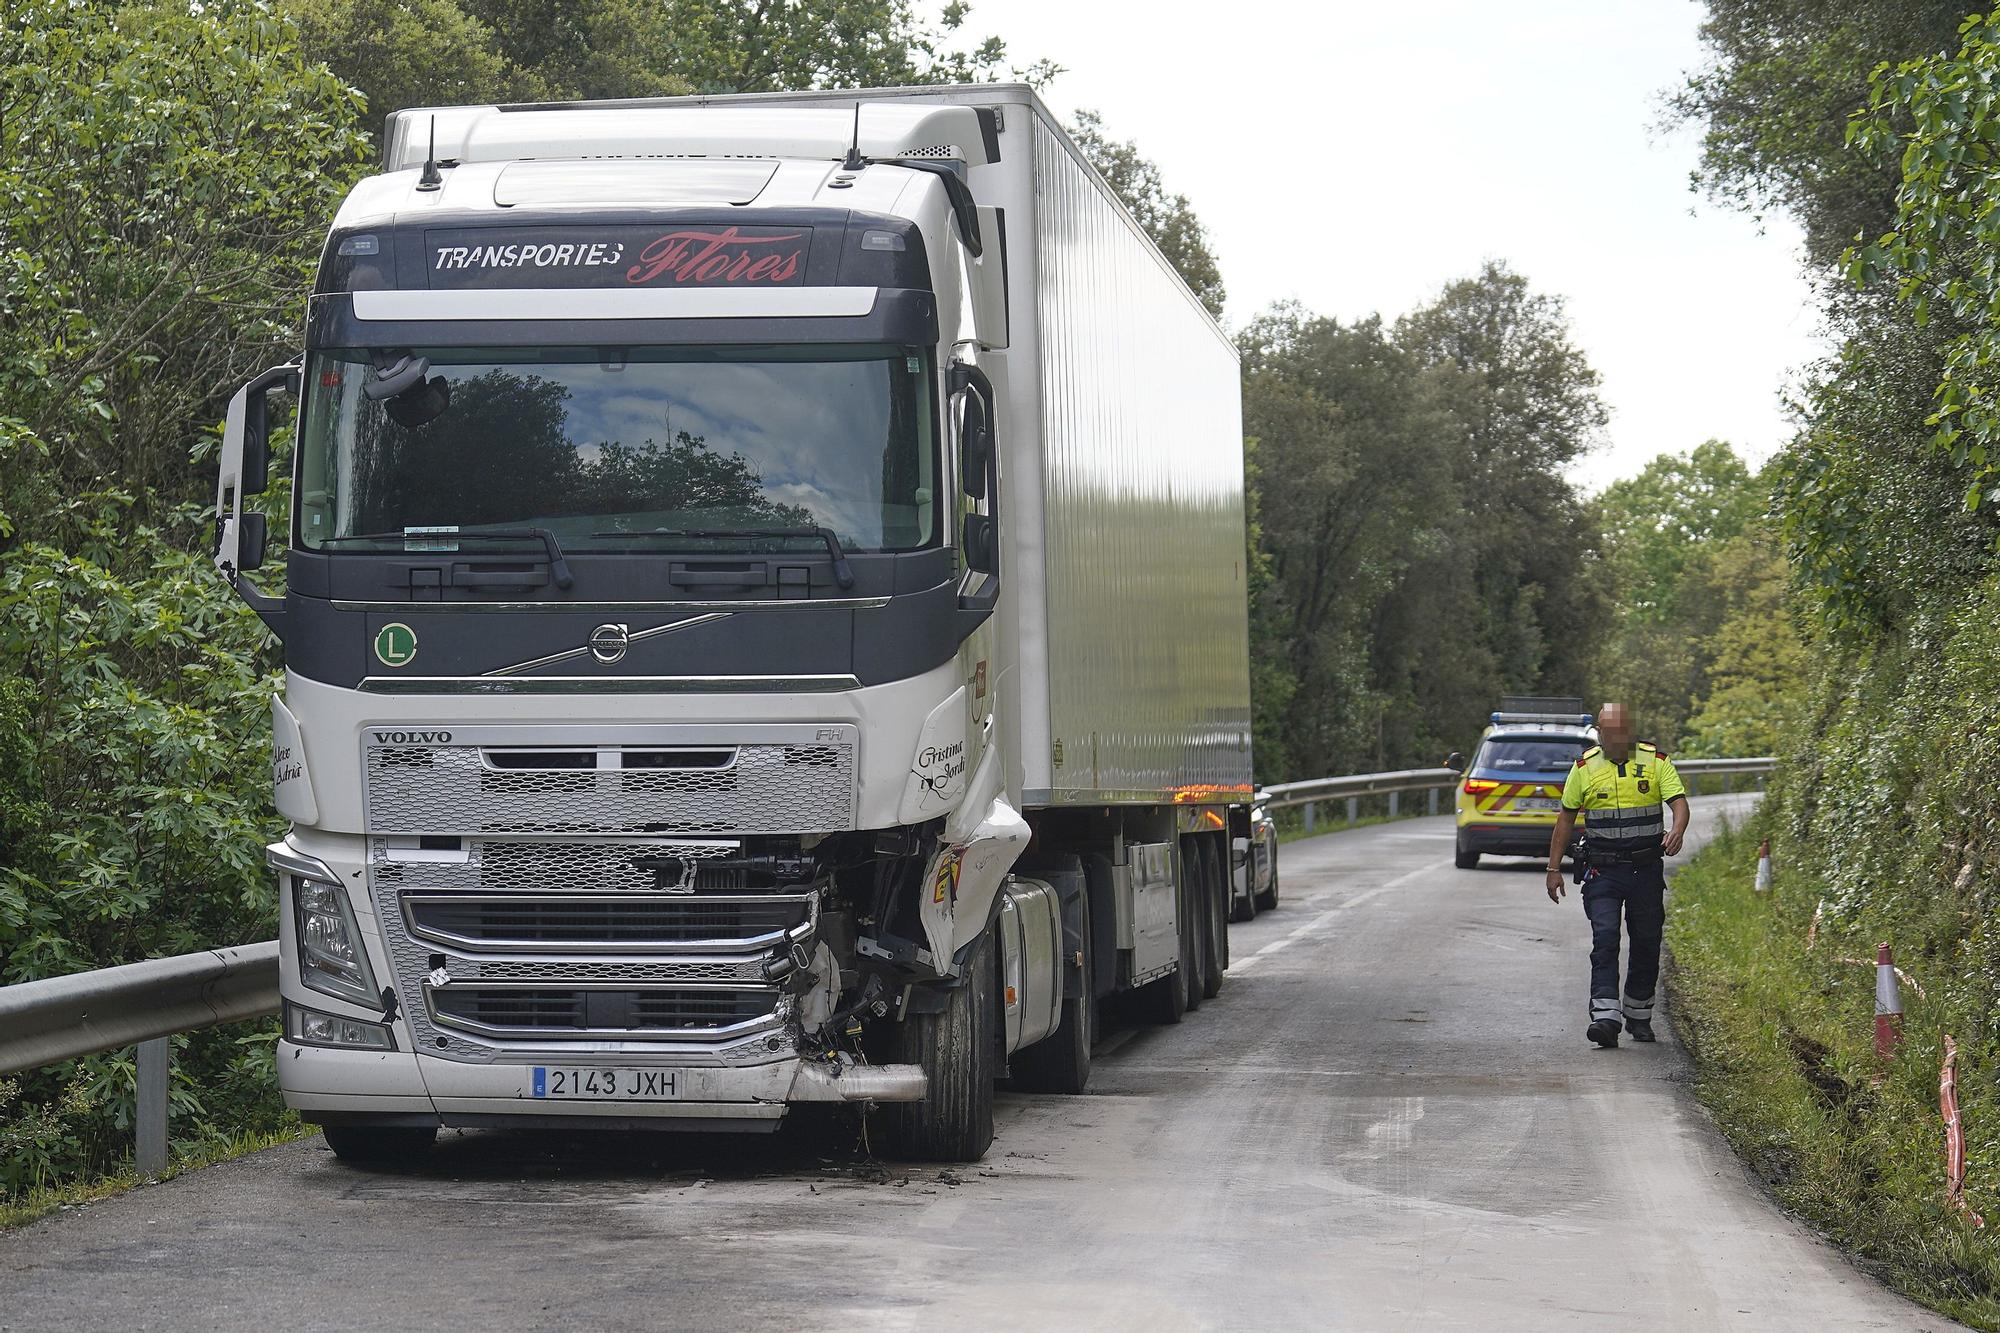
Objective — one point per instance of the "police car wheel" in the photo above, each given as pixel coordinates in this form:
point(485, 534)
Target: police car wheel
point(1464, 859)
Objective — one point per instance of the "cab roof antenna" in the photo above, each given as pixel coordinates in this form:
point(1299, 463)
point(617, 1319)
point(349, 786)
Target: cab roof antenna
point(432, 179)
point(855, 161)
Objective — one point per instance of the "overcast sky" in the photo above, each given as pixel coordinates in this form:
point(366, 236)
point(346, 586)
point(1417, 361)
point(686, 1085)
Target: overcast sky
point(1357, 157)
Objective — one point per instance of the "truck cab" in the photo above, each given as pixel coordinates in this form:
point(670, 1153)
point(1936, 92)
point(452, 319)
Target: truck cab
point(656, 732)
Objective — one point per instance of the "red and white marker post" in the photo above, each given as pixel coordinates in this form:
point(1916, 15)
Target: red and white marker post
point(1954, 1135)
point(1888, 1006)
point(1764, 866)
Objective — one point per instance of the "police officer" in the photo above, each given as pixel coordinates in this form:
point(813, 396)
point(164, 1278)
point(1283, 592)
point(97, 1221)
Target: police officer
point(1621, 787)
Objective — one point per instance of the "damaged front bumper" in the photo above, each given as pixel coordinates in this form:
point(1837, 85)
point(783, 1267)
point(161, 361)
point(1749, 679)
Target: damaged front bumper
point(340, 1086)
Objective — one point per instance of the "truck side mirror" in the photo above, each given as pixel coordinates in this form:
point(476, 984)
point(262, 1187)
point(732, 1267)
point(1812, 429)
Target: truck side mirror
point(253, 538)
point(242, 539)
point(977, 541)
point(975, 440)
point(979, 456)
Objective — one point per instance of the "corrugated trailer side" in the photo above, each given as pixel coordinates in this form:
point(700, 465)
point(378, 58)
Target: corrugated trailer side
point(1144, 611)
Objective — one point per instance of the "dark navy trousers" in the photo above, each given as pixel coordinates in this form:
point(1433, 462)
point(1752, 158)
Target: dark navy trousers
point(1637, 894)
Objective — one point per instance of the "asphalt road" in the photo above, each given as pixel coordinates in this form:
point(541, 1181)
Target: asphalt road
point(1389, 1120)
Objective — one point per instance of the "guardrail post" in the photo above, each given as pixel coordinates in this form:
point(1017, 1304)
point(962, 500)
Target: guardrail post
point(1353, 808)
point(1394, 803)
point(149, 1120)
point(1309, 816)
point(1434, 800)
point(1727, 784)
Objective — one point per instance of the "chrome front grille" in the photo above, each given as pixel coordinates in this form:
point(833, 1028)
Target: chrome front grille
point(544, 1012)
point(517, 865)
point(529, 944)
point(775, 787)
point(548, 888)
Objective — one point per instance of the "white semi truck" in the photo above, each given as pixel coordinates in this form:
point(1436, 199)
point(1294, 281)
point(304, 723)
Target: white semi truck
point(764, 621)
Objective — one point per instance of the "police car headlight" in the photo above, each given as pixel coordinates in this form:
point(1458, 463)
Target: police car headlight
point(331, 959)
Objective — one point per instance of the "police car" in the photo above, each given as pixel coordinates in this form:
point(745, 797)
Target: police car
point(1512, 789)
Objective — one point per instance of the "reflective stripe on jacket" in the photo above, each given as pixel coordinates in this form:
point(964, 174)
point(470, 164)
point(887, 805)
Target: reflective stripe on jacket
point(1623, 805)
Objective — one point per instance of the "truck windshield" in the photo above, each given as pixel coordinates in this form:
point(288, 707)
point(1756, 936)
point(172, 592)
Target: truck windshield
point(603, 445)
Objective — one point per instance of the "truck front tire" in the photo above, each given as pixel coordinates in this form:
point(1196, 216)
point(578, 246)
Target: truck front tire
point(960, 1054)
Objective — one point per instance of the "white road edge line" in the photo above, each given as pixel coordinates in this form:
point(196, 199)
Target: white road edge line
point(1284, 942)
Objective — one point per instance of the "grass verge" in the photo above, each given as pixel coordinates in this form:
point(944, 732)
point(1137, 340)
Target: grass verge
point(1782, 1038)
point(24, 1208)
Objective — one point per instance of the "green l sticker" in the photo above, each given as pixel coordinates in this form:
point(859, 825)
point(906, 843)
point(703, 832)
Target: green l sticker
point(396, 644)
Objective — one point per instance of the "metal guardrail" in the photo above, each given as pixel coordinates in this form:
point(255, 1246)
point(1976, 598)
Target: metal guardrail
point(1311, 793)
point(140, 1004)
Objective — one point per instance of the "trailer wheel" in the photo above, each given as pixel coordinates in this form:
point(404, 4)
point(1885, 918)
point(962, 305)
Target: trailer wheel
point(1215, 887)
point(959, 1050)
point(378, 1143)
point(1060, 1062)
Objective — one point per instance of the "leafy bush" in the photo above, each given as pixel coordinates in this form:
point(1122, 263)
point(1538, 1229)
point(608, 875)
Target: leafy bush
point(165, 174)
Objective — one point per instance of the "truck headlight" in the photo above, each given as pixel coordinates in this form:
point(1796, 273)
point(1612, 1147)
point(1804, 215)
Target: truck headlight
point(310, 1027)
point(331, 959)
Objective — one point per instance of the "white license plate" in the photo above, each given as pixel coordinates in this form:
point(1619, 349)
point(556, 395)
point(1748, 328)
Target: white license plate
point(1537, 803)
point(604, 1085)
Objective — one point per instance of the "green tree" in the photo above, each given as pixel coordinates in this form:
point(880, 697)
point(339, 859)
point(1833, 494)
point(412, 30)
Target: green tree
point(1863, 500)
point(1655, 521)
point(1664, 531)
point(1934, 116)
point(1757, 671)
point(405, 53)
point(1774, 103)
point(1524, 406)
point(1165, 216)
point(166, 173)
point(1350, 424)
point(165, 179)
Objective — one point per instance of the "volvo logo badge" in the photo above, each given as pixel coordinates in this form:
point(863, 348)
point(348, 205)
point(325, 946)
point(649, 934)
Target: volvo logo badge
point(608, 642)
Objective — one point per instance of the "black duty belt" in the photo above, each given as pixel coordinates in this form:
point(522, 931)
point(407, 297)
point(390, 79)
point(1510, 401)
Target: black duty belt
point(1638, 858)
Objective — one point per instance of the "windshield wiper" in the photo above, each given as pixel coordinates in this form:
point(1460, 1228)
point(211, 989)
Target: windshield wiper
point(558, 567)
point(843, 573)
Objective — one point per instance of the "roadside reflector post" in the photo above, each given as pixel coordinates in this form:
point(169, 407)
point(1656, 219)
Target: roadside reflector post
point(1764, 866)
point(149, 1119)
point(1954, 1134)
point(1353, 809)
point(1888, 1006)
point(1395, 801)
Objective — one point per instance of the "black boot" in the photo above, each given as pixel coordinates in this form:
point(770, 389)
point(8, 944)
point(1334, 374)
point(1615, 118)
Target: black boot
point(1642, 1029)
point(1604, 1032)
